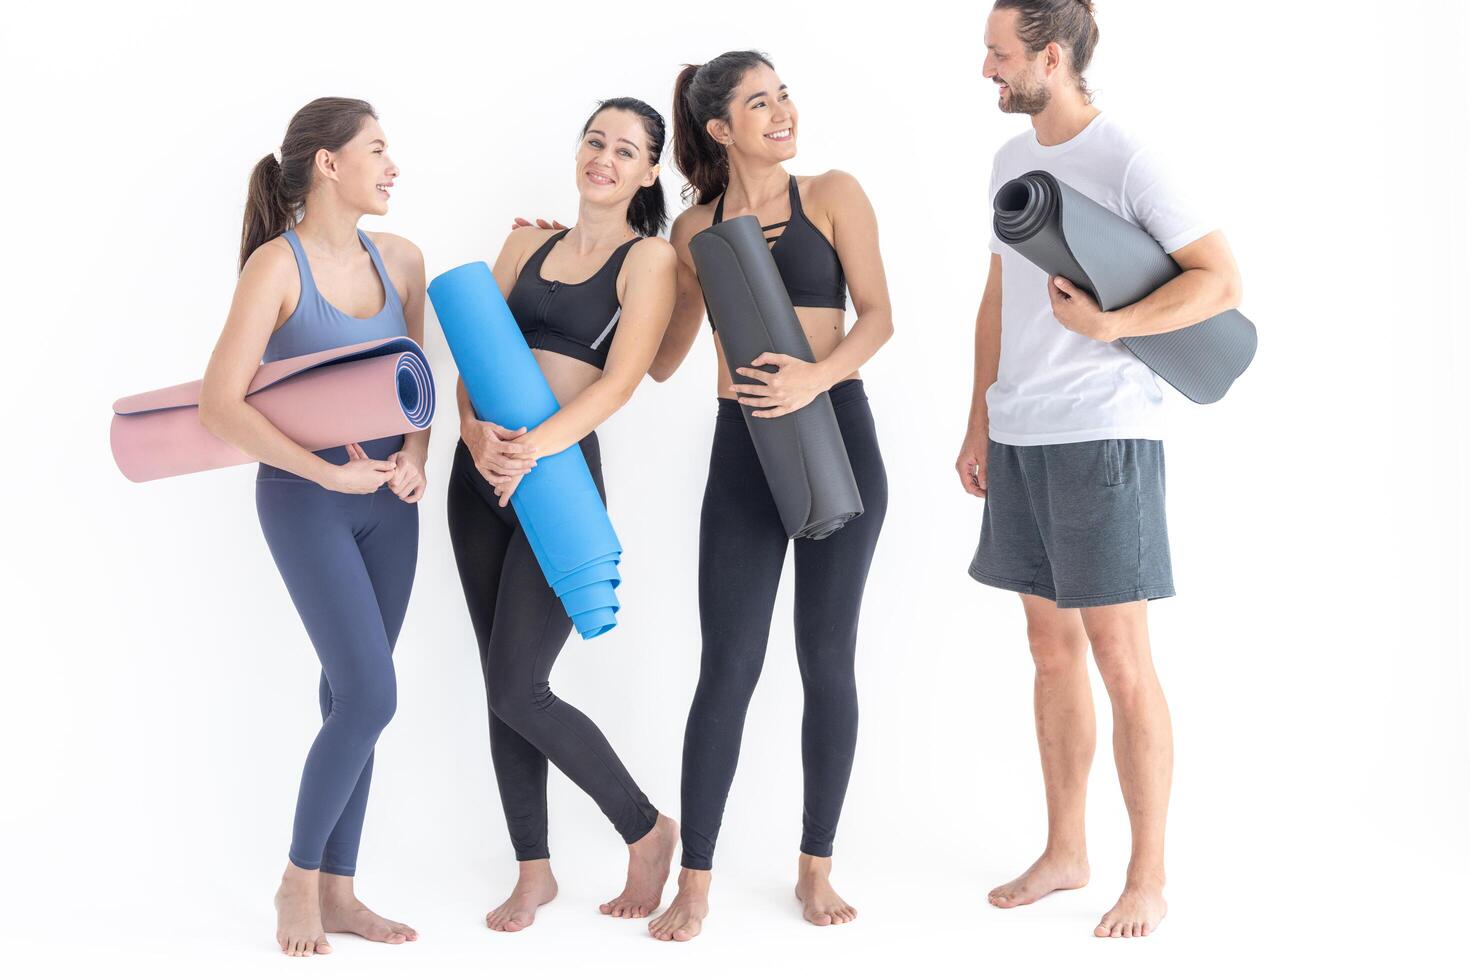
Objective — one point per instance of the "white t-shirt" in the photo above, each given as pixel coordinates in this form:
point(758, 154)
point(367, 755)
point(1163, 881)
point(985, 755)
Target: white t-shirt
point(1054, 385)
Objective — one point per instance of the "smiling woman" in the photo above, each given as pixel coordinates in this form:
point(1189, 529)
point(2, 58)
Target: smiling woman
point(735, 128)
point(592, 302)
point(341, 523)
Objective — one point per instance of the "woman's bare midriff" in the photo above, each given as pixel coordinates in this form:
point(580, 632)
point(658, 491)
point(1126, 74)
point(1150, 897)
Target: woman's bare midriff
point(823, 329)
point(567, 376)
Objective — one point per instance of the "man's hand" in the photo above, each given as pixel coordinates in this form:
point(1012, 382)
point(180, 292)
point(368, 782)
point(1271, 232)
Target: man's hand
point(1079, 312)
point(971, 464)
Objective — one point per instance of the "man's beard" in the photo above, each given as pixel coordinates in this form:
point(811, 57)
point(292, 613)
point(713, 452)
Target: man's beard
point(1029, 101)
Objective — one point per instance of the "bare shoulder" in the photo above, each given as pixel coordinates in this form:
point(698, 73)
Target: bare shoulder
point(524, 240)
point(694, 219)
point(272, 264)
point(401, 257)
point(396, 247)
point(653, 251)
point(650, 262)
point(834, 188)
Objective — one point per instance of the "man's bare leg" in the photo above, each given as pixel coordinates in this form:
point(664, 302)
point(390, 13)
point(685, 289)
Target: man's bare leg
point(1143, 746)
point(1066, 730)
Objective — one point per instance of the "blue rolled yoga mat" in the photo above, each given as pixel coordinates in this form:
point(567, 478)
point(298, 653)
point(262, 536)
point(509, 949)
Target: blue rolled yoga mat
point(557, 502)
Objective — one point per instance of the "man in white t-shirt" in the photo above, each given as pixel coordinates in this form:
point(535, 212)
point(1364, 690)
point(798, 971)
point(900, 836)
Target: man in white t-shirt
point(1064, 443)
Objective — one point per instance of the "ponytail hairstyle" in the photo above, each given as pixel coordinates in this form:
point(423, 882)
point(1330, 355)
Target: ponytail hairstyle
point(647, 212)
point(279, 182)
point(701, 93)
point(1070, 23)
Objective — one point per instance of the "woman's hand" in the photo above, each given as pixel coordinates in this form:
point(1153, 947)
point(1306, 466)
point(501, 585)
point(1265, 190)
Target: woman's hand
point(552, 225)
point(496, 453)
point(504, 486)
point(408, 480)
point(791, 386)
point(360, 474)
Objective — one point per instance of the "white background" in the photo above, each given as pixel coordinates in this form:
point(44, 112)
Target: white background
point(159, 692)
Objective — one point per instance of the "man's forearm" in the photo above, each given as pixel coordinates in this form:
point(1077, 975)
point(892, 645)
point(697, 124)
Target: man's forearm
point(1191, 297)
point(987, 364)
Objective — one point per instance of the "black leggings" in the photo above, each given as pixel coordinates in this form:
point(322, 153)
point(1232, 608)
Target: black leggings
point(520, 626)
point(742, 546)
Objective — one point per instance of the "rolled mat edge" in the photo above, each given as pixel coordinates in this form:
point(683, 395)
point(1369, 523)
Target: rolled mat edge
point(356, 393)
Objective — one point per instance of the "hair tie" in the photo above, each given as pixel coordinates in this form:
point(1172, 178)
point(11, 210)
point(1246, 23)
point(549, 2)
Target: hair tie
point(277, 154)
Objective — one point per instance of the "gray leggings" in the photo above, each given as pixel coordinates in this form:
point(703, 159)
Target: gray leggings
point(348, 561)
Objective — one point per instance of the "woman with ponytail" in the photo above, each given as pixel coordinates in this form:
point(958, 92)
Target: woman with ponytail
point(341, 523)
point(592, 301)
point(735, 126)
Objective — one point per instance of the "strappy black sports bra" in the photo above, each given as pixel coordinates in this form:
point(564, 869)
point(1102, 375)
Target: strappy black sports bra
point(808, 263)
point(578, 319)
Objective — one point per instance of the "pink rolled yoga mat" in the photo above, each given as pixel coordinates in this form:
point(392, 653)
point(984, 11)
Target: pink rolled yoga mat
point(349, 394)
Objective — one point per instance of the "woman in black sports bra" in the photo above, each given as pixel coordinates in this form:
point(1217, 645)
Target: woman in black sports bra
point(734, 127)
point(592, 302)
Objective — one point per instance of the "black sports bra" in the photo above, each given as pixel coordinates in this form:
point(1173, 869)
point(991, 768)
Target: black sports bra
point(808, 263)
point(578, 319)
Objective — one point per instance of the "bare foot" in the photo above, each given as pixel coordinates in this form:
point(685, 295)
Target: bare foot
point(820, 905)
point(1049, 874)
point(1139, 911)
point(535, 888)
point(343, 912)
point(648, 869)
point(298, 915)
point(684, 917)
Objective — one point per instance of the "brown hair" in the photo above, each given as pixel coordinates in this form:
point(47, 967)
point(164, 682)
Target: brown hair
point(701, 93)
point(1070, 23)
point(278, 187)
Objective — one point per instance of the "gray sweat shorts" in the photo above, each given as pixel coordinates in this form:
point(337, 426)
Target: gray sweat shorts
point(1079, 523)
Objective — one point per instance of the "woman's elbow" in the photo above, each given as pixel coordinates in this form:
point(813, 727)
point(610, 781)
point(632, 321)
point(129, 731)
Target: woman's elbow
point(661, 370)
point(215, 413)
point(884, 325)
point(209, 410)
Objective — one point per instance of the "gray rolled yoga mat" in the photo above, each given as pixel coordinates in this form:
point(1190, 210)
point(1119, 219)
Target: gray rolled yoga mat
point(802, 454)
point(1068, 234)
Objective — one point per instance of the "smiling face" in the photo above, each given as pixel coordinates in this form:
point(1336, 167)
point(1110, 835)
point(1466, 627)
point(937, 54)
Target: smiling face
point(1023, 78)
point(762, 122)
point(361, 170)
point(614, 159)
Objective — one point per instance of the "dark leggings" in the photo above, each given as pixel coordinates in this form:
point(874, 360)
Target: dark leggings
point(742, 546)
point(348, 561)
point(520, 627)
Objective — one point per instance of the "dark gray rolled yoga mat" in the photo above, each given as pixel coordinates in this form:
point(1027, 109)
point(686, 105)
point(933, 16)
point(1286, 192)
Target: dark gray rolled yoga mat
point(802, 454)
point(1068, 234)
